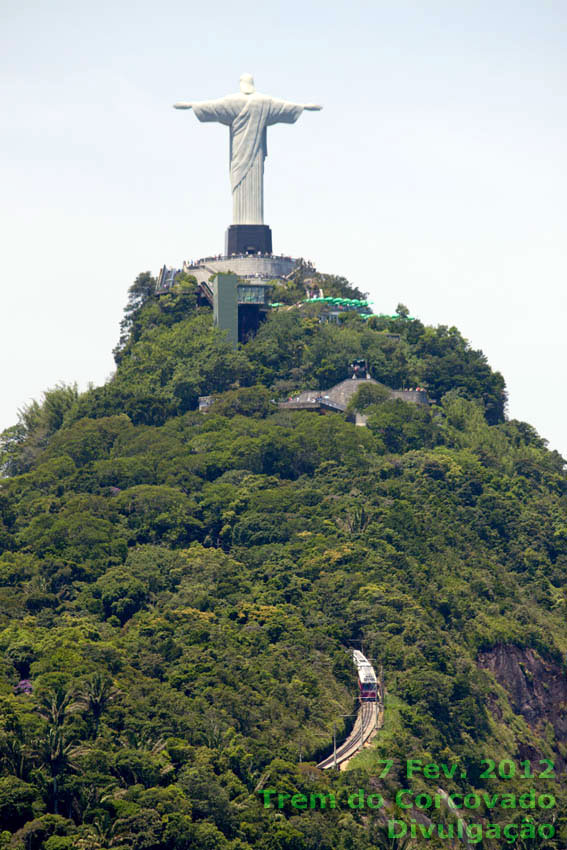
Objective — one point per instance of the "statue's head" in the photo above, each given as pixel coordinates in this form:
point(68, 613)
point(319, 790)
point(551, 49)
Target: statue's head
point(247, 84)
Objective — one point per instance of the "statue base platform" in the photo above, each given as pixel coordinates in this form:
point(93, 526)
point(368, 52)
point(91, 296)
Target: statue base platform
point(247, 266)
point(248, 239)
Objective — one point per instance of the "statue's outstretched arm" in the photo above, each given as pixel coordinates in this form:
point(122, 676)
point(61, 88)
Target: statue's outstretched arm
point(312, 107)
point(223, 109)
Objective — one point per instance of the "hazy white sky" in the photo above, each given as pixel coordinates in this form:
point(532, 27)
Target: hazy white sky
point(435, 175)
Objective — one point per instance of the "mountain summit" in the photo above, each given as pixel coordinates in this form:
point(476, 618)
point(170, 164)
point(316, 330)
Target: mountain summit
point(181, 592)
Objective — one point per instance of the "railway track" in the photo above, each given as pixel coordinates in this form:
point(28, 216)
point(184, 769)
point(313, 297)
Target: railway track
point(363, 726)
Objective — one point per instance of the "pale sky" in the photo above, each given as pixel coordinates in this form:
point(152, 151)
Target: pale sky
point(435, 174)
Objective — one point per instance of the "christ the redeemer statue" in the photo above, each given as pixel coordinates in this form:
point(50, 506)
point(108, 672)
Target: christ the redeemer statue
point(248, 114)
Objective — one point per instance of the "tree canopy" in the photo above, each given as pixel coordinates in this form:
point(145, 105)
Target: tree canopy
point(179, 590)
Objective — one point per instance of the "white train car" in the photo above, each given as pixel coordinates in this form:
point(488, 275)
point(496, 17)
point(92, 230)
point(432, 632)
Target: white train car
point(367, 682)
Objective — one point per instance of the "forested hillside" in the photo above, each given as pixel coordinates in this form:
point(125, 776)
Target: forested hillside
point(179, 590)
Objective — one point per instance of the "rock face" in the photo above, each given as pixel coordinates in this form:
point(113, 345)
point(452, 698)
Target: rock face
point(537, 688)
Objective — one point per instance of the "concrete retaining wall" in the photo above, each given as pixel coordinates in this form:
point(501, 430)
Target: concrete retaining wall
point(415, 396)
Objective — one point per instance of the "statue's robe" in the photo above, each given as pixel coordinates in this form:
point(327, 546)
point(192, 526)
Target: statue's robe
point(248, 117)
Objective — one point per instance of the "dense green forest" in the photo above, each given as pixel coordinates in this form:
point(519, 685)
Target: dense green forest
point(179, 591)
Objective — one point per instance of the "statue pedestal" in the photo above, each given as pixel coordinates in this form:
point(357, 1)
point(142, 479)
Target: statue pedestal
point(248, 239)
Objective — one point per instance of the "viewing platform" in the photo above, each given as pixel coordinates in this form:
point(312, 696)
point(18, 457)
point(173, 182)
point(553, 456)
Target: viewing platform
point(254, 267)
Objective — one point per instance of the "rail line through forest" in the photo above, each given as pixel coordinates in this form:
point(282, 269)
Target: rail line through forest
point(368, 716)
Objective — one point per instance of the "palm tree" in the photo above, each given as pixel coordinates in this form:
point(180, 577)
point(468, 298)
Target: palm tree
point(16, 754)
point(107, 831)
point(60, 755)
point(94, 697)
point(56, 749)
point(56, 704)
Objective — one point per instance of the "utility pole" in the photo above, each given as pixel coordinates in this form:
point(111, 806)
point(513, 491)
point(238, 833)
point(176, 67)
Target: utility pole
point(381, 691)
point(335, 744)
